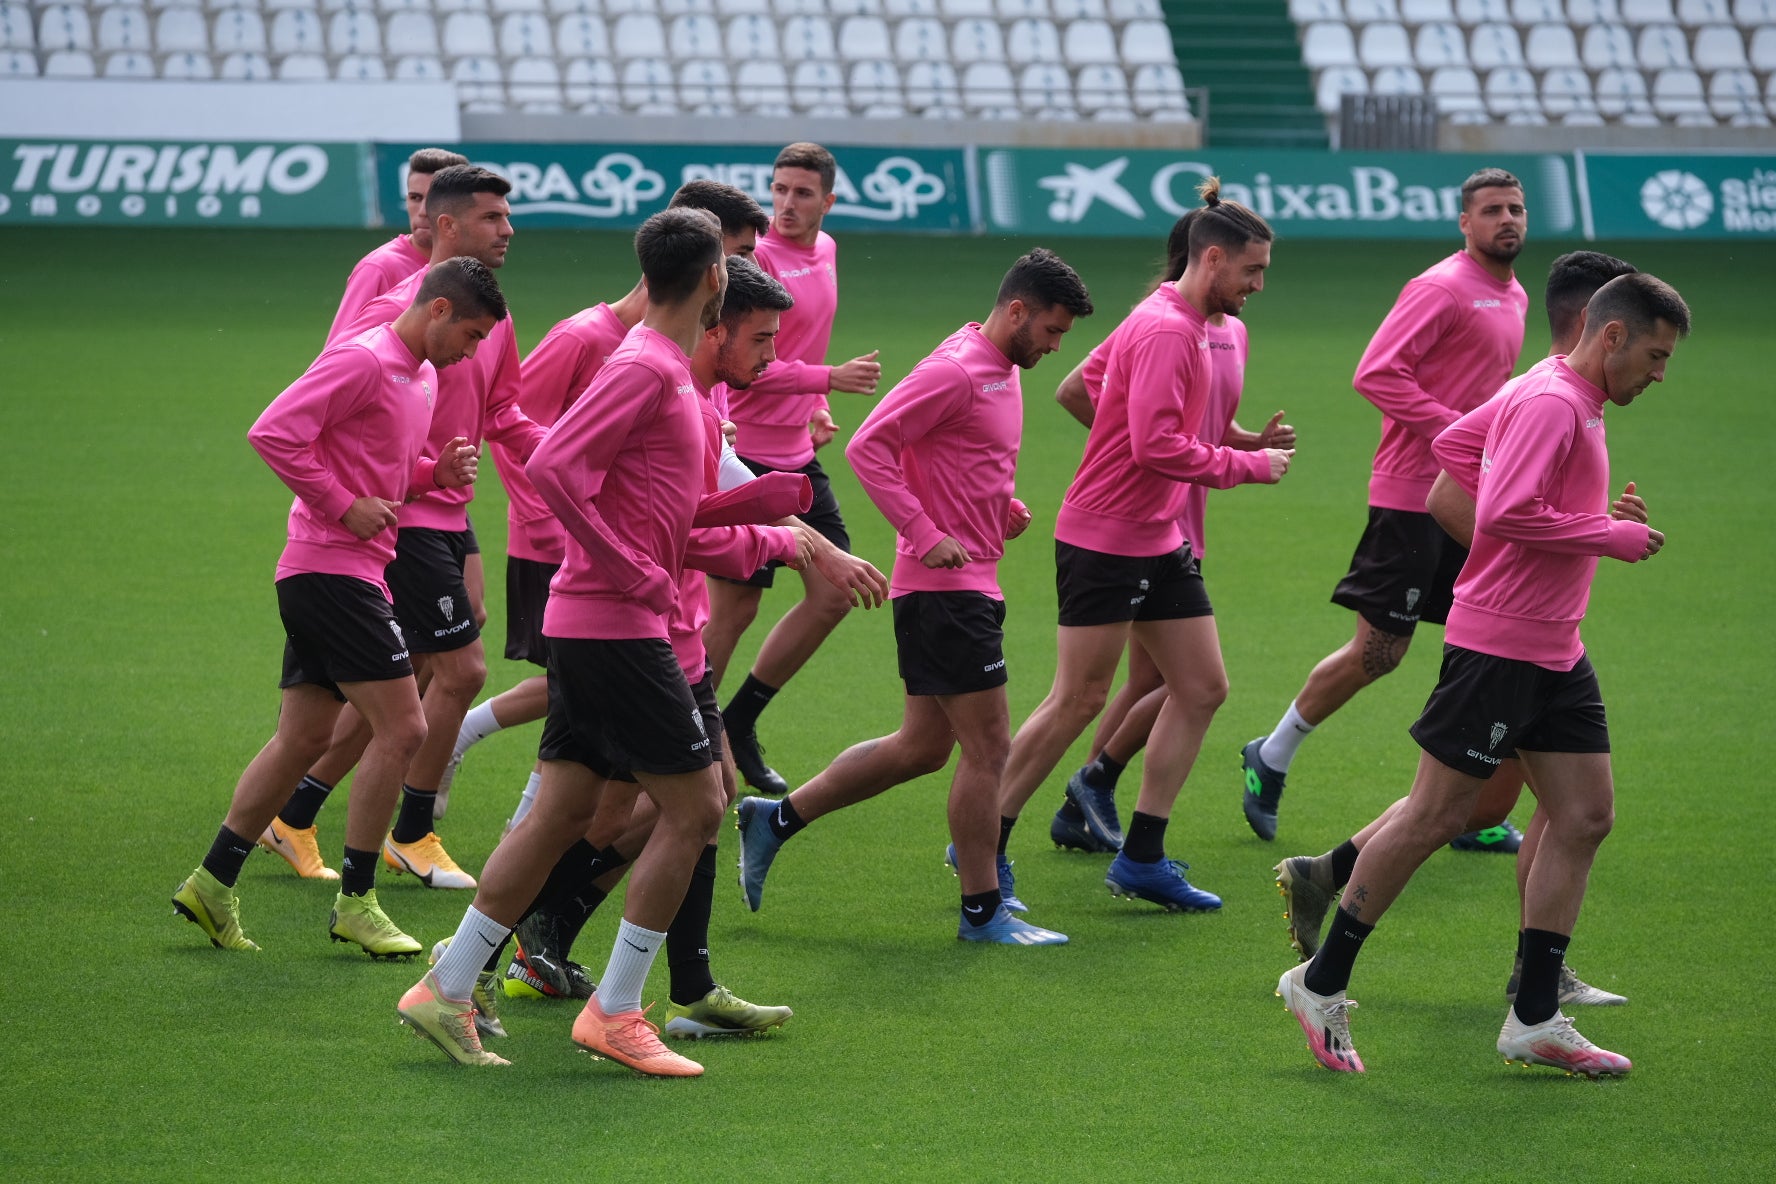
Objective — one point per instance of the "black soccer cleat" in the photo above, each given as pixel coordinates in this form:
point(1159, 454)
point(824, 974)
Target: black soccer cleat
point(749, 758)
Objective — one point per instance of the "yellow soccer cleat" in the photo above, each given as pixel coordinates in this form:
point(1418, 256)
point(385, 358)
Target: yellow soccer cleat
point(214, 908)
point(361, 921)
point(299, 849)
point(447, 1023)
point(427, 859)
point(722, 1013)
point(485, 996)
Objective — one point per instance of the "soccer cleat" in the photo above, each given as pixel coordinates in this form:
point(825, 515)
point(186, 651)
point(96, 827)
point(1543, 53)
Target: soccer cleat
point(722, 1013)
point(485, 995)
point(759, 845)
point(1325, 1019)
point(1308, 891)
point(1263, 791)
point(1007, 882)
point(447, 1023)
point(1069, 833)
point(361, 921)
point(749, 758)
point(629, 1039)
point(299, 849)
point(1099, 808)
point(545, 966)
point(1503, 838)
point(1161, 883)
point(213, 907)
point(1007, 930)
point(1573, 989)
point(1556, 1042)
point(441, 802)
point(427, 859)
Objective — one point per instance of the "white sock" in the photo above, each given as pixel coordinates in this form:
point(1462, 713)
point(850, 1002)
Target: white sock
point(619, 988)
point(1279, 750)
point(529, 799)
point(477, 726)
point(477, 937)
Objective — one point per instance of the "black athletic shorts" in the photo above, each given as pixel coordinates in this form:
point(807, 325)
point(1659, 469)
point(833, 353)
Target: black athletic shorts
point(471, 544)
point(431, 601)
point(950, 643)
point(527, 594)
point(823, 515)
point(1403, 572)
point(620, 707)
point(1485, 708)
point(1096, 588)
point(338, 629)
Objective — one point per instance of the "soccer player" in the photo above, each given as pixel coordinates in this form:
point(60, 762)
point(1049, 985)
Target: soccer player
point(781, 420)
point(470, 215)
point(555, 374)
point(938, 455)
point(1087, 819)
point(1122, 564)
point(349, 439)
point(1450, 341)
point(1310, 883)
point(402, 255)
point(619, 469)
point(1516, 680)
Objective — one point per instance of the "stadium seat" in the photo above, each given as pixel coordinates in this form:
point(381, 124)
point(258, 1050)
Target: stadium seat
point(127, 30)
point(808, 38)
point(525, 35)
point(863, 38)
point(581, 36)
point(296, 30)
point(789, 8)
point(932, 86)
point(1678, 91)
point(1480, 12)
point(357, 67)
point(748, 37)
point(686, 8)
point(1100, 88)
point(641, 36)
point(247, 67)
point(730, 8)
point(901, 9)
point(69, 63)
point(1306, 12)
point(1364, 12)
point(875, 84)
point(1457, 90)
point(187, 67)
point(1335, 82)
point(818, 86)
point(467, 34)
point(844, 8)
point(478, 80)
point(1662, 46)
point(385, 6)
point(1033, 39)
point(16, 33)
point(1511, 90)
point(1592, 12)
point(332, 6)
point(920, 39)
point(303, 67)
point(534, 85)
point(977, 41)
point(1750, 14)
point(1006, 10)
point(1423, 12)
point(1327, 44)
point(590, 84)
point(1089, 43)
point(18, 63)
point(1648, 12)
point(1731, 92)
point(1692, 13)
point(354, 33)
point(412, 33)
point(1136, 10)
point(1147, 42)
point(1156, 88)
point(65, 27)
point(1605, 46)
point(1386, 44)
point(1551, 47)
point(648, 87)
point(1078, 10)
point(573, 8)
point(705, 84)
point(988, 85)
point(182, 30)
point(1538, 12)
point(956, 10)
point(1441, 44)
point(129, 64)
point(1045, 89)
point(281, 5)
point(1720, 47)
point(1763, 49)
point(762, 87)
point(1621, 90)
point(696, 35)
point(1493, 46)
point(615, 8)
point(1397, 80)
point(419, 68)
point(241, 31)
point(1565, 90)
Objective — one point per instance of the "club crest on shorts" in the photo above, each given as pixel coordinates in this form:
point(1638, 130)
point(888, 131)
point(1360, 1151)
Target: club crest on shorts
point(697, 720)
point(447, 606)
point(1411, 599)
point(1498, 733)
point(400, 638)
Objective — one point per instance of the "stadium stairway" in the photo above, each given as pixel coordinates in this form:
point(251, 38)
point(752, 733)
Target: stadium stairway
point(1247, 55)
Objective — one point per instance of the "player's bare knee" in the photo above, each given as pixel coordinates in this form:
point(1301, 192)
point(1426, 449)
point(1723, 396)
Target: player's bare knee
point(1377, 652)
point(925, 755)
point(463, 673)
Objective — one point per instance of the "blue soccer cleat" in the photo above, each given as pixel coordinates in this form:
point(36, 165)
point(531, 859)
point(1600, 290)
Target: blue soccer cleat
point(1099, 808)
point(1068, 831)
point(759, 845)
point(1263, 791)
point(1504, 839)
point(1161, 882)
point(1007, 882)
point(1007, 930)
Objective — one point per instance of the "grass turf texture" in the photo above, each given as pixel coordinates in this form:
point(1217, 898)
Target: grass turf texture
point(139, 640)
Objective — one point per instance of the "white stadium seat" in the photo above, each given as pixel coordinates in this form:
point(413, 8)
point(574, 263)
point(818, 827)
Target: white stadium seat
point(127, 29)
point(906, 8)
point(534, 85)
point(1704, 12)
point(1440, 44)
point(387, 6)
point(240, 31)
point(1480, 12)
point(1733, 92)
point(1328, 44)
point(570, 8)
point(1157, 88)
point(1423, 12)
point(296, 30)
point(354, 33)
point(1607, 45)
point(1678, 91)
point(1492, 46)
point(694, 36)
point(478, 79)
point(844, 8)
point(1034, 39)
point(18, 63)
point(281, 5)
point(1006, 10)
point(1592, 12)
point(1397, 80)
point(1146, 42)
point(988, 85)
point(1620, 91)
point(182, 30)
point(686, 7)
point(1306, 12)
point(706, 85)
point(1044, 87)
point(246, 67)
point(875, 84)
point(921, 39)
point(412, 33)
point(1551, 47)
point(637, 35)
point(727, 8)
point(863, 38)
point(818, 86)
point(1363, 12)
point(808, 37)
point(1538, 12)
point(467, 34)
point(582, 36)
point(956, 10)
point(1566, 90)
point(1511, 90)
point(977, 41)
point(1750, 14)
point(1763, 49)
point(1720, 47)
point(1136, 10)
point(69, 63)
point(1661, 46)
point(1648, 12)
point(1079, 10)
point(525, 35)
point(357, 67)
point(589, 83)
point(303, 67)
point(932, 86)
point(1336, 82)
point(649, 88)
point(1456, 89)
point(15, 30)
point(1101, 87)
point(188, 67)
point(615, 8)
point(65, 27)
point(129, 64)
point(789, 8)
point(1386, 44)
point(1090, 43)
point(419, 68)
point(748, 37)
point(762, 86)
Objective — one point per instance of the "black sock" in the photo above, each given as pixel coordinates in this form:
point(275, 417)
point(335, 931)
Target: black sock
point(1344, 861)
point(414, 822)
point(1005, 825)
point(565, 878)
point(743, 709)
point(1520, 945)
point(305, 803)
point(687, 938)
point(1330, 970)
point(226, 856)
point(572, 916)
point(784, 820)
point(978, 907)
point(1145, 840)
point(1538, 991)
point(357, 872)
point(1102, 773)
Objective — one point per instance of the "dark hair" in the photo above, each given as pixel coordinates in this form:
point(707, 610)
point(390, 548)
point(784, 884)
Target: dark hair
point(803, 155)
point(1041, 280)
point(427, 161)
point(468, 284)
point(1178, 249)
point(455, 186)
point(1225, 224)
point(733, 207)
point(675, 248)
point(1639, 301)
point(750, 289)
point(1487, 178)
point(1572, 280)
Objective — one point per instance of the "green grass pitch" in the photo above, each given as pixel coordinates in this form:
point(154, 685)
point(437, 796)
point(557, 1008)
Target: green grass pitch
point(139, 652)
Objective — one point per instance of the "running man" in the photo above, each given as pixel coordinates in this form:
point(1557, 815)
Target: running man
point(1516, 680)
point(937, 456)
point(781, 420)
point(1449, 343)
point(349, 439)
point(402, 255)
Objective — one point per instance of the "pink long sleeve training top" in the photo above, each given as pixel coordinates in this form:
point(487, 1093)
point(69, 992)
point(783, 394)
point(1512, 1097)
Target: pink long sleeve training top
point(772, 414)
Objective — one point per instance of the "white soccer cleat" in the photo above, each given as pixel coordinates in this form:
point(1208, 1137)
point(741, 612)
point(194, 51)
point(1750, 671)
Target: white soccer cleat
point(1557, 1043)
point(1324, 1018)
